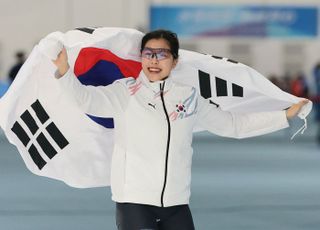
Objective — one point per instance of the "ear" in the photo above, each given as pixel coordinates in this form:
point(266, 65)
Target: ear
point(175, 62)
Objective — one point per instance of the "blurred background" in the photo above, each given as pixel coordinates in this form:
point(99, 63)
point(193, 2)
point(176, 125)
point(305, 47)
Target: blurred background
point(267, 182)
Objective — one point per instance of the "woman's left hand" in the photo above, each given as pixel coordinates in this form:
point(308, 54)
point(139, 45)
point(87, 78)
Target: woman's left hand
point(295, 108)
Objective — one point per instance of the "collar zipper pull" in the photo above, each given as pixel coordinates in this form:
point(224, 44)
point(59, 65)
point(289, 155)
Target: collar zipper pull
point(162, 87)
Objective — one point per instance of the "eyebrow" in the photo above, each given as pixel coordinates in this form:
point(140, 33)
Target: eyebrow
point(149, 48)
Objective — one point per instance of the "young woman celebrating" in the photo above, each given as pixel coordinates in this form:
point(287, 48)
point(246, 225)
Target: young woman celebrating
point(154, 118)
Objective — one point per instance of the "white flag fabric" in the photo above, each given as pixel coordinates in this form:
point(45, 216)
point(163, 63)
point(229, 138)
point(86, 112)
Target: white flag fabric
point(57, 140)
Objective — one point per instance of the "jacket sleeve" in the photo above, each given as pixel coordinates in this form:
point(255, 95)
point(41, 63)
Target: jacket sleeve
point(101, 101)
point(234, 125)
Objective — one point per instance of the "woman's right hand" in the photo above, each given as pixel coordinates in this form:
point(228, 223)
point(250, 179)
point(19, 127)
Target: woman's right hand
point(62, 62)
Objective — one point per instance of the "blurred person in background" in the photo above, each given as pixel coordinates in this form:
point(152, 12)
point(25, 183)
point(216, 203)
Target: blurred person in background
point(20, 59)
point(283, 82)
point(286, 83)
point(275, 80)
point(316, 74)
point(299, 86)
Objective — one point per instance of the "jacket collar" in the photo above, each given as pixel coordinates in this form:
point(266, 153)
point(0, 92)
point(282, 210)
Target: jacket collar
point(155, 86)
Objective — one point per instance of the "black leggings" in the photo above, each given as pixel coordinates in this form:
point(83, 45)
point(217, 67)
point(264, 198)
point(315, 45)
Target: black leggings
point(130, 216)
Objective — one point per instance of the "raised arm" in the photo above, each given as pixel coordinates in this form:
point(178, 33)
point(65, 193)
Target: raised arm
point(102, 101)
point(235, 125)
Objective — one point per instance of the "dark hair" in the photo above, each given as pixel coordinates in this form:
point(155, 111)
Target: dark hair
point(20, 54)
point(169, 36)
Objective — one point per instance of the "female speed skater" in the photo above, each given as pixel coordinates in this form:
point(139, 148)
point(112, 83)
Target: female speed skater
point(151, 162)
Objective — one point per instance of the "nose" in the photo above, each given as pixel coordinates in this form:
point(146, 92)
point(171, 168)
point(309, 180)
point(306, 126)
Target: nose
point(154, 58)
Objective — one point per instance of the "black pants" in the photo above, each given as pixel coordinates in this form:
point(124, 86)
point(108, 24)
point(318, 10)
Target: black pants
point(131, 216)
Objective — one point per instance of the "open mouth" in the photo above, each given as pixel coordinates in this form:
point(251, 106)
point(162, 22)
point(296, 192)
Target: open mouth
point(154, 70)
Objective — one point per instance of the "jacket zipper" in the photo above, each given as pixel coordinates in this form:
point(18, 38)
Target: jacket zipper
point(168, 143)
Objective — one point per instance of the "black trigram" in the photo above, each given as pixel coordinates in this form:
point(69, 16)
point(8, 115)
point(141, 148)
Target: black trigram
point(42, 139)
point(86, 30)
point(221, 86)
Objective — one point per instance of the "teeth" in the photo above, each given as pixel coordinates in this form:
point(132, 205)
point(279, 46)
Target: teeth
point(154, 69)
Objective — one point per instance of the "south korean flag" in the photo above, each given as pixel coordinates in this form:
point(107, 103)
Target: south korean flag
point(57, 139)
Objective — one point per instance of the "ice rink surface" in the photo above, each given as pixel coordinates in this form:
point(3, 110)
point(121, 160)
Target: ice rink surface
point(260, 183)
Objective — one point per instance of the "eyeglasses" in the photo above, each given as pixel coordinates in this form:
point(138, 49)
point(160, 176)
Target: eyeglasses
point(159, 53)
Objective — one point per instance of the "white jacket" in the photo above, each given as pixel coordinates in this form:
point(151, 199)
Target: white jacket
point(151, 162)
